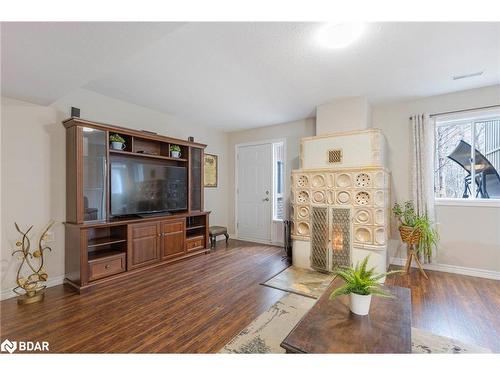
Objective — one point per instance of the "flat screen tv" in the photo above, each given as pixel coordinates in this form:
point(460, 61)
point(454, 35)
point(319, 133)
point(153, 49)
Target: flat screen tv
point(145, 187)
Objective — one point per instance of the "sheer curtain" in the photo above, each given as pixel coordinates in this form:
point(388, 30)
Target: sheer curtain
point(422, 184)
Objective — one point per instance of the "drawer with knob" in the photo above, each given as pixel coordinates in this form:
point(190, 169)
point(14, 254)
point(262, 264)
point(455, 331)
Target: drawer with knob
point(195, 243)
point(106, 264)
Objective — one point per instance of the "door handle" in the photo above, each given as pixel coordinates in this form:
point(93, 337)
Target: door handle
point(265, 200)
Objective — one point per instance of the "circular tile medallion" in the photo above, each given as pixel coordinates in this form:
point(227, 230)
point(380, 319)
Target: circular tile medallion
point(303, 197)
point(318, 181)
point(362, 216)
point(303, 212)
point(303, 229)
point(318, 197)
point(343, 197)
point(362, 235)
point(362, 198)
point(363, 180)
point(302, 181)
point(343, 180)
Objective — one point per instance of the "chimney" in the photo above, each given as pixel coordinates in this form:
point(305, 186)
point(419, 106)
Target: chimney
point(345, 114)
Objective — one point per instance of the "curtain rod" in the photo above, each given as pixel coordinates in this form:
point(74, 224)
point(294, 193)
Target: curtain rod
point(461, 110)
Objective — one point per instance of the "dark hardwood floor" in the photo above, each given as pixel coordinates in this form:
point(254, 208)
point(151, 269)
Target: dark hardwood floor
point(198, 305)
point(193, 306)
point(462, 307)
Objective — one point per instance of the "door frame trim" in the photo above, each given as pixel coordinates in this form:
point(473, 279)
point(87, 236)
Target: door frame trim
point(236, 183)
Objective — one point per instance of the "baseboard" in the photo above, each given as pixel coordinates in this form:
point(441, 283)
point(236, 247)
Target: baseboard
point(476, 272)
point(234, 237)
point(53, 281)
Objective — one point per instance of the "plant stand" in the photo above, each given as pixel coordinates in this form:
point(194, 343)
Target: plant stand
point(413, 255)
point(411, 238)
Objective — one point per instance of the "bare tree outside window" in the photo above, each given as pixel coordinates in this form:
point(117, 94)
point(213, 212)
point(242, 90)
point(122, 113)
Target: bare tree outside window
point(452, 179)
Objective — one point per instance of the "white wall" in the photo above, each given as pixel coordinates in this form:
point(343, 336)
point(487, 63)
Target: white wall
point(33, 185)
point(470, 236)
point(33, 166)
point(292, 132)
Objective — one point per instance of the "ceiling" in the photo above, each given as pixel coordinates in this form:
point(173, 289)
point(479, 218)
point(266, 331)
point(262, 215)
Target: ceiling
point(233, 76)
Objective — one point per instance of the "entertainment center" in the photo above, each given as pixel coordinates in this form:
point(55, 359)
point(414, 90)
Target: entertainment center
point(132, 208)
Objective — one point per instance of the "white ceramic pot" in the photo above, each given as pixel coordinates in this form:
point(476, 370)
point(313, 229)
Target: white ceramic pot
point(175, 154)
point(360, 305)
point(117, 145)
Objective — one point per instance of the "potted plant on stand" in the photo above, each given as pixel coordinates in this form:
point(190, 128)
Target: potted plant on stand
point(417, 232)
point(117, 142)
point(360, 285)
point(175, 151)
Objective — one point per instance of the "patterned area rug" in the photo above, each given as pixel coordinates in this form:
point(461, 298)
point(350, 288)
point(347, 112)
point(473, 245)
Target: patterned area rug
point(265, 334)
point(300, 281)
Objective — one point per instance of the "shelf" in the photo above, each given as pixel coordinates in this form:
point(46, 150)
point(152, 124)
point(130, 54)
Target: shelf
point(136, 154)
point(195, 237)
point(95, 242)
point(195, 227)
point(100, 255)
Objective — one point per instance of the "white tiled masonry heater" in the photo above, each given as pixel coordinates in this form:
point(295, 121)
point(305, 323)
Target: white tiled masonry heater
point(340, 201)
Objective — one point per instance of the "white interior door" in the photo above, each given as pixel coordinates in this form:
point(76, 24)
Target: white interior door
point(254, 192)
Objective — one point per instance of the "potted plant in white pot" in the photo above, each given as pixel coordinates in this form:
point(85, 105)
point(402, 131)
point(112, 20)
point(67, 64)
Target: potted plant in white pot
point(175, 151)
point(117, 142)
point(360, 285)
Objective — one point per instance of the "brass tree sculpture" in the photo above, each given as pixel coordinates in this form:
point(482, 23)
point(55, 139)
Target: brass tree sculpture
point(33, 284)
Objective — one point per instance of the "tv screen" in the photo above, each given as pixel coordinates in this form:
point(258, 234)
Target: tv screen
point(139, 187)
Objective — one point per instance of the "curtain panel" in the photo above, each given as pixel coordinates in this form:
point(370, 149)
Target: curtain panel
point(422, 165)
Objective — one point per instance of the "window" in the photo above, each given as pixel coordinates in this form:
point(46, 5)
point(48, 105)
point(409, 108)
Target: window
point(278, 181)
point(467, 149)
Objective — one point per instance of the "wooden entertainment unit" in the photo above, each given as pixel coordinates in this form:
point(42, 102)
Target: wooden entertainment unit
point(100, 248)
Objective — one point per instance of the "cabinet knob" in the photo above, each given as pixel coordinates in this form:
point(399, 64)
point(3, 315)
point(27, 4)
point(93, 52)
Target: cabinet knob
point(107, 266)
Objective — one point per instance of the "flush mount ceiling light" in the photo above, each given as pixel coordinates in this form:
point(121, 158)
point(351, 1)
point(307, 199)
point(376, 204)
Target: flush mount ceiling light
point(339, 35)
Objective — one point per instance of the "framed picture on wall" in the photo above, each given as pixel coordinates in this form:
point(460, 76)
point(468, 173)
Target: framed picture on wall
point(210, 169)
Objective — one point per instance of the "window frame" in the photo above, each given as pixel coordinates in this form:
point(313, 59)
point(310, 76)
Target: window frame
point(472, 119)
point(275, 194)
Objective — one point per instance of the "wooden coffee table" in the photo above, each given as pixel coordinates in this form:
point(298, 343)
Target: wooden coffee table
point(330, 327)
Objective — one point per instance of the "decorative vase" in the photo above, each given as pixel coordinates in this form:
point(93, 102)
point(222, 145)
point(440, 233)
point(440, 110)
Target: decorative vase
point(175, 154)
point(359, 304)
point(117, 145)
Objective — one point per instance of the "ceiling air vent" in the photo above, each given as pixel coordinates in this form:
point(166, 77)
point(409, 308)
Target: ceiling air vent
point(335, 156)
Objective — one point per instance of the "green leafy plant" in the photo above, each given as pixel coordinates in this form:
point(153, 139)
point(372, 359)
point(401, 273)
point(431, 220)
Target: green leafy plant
point(175, 148)
point(116, 138)
point(406, 214)
point(360, 280)
point(429, 236)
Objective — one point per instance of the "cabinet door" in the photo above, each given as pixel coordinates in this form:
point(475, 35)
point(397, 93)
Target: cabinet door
point(196, 179)
point(94, 174)
point(173, 234)
point(143, 244)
